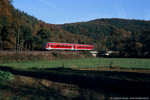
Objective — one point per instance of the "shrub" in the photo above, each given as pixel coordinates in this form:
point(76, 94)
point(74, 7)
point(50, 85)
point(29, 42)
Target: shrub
point(55, 54)
point(87, 53)
point(4, 76)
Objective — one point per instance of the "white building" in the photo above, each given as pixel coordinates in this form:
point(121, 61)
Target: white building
point(94, 53)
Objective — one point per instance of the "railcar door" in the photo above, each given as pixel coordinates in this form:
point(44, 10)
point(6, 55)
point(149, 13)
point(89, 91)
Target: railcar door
point(75, 47)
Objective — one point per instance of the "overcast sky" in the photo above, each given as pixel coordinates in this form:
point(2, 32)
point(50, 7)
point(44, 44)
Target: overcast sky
point(68, 11)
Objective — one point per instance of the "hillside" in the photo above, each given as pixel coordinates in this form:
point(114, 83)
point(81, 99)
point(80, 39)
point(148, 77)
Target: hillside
point(20, 31)
point(130, 37)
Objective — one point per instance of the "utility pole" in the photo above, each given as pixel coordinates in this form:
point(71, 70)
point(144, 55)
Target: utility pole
point(17, 41)
point(1, 45)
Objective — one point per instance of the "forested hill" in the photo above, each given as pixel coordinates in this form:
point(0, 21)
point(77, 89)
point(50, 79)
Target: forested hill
point(99, 28)
point(129, 37)
point(20, 31)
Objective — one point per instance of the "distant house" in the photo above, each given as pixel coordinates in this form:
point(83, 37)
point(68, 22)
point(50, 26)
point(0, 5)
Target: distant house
point(109, 53)
point(94, 53)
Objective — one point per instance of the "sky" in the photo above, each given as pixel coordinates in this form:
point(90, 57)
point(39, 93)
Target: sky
point(70, 11)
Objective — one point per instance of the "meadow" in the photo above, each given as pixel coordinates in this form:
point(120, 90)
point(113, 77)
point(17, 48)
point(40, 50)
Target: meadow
point(54, 80)
point(87, 63)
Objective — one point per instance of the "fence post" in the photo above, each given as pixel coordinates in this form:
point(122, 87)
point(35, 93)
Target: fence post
point(20, 65)
point(63, 65)
point(135, 64)
point(99, 65)
point(43, 66)
point(81, 65)
point(111, 64)
point(52, 66)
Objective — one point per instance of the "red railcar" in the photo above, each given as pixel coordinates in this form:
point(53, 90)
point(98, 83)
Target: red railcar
point(66, 46)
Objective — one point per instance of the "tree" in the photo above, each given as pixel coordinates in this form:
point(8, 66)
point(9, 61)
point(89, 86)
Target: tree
point(8, 36)
point(42, 36)
point(27, 37)
point(144, 38)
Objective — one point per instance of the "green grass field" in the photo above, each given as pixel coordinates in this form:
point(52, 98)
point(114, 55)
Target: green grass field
point(84, 63)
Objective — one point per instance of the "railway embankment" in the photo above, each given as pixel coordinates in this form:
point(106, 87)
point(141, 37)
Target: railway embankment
point(11, 56)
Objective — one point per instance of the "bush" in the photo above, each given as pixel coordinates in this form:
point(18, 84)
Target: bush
point(100, 53)
point(87, 53)
point(55, 54)
point(16, 98)
point(4, 76)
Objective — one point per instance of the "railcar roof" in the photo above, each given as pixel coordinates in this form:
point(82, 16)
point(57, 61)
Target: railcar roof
point(70, 43)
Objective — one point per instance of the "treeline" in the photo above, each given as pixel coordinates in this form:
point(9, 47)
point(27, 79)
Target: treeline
point(20, 31)
point(131, 38)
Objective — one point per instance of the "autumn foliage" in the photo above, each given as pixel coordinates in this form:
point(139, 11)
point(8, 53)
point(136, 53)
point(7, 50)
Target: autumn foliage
point(20, 31)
